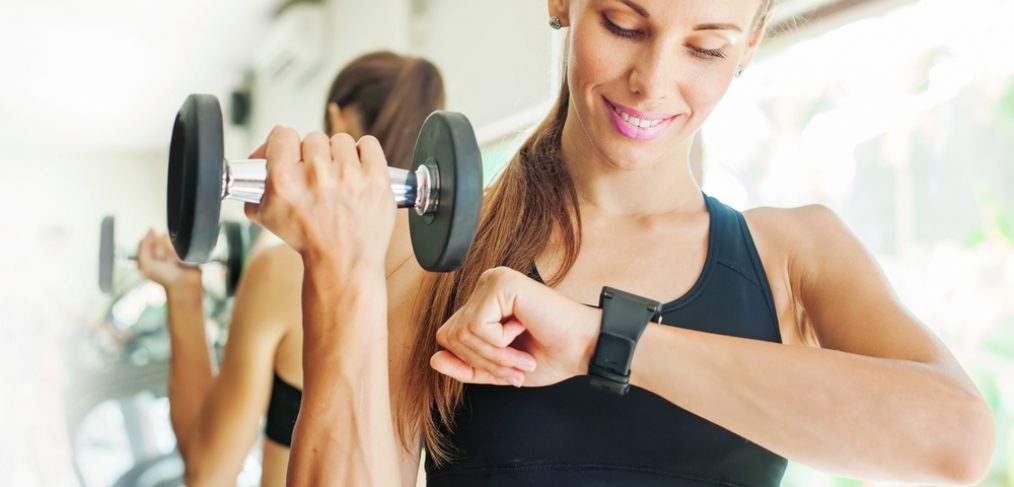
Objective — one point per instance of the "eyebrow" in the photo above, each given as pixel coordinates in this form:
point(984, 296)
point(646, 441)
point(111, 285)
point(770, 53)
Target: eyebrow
point(637, 8)
point(718, 27)
point(644, 13)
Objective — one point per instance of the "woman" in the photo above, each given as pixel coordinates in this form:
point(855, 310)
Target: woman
point(216, 416)
point(779, 337)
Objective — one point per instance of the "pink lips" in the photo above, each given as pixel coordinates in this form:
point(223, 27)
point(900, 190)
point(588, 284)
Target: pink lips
point(635, 132)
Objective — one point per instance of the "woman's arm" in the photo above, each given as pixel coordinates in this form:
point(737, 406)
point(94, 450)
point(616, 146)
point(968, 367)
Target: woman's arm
point(216, 418)
point(331, 201)
point(884, 399)
point(215, 442)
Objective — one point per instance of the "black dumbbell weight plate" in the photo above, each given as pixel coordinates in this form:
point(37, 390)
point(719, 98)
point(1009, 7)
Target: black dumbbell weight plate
point(236, 246)
point(107, 254)
point(447, 143)
point(196, 159)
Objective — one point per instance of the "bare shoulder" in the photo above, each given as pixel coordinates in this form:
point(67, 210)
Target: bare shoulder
point(792, 227)
point(788, 241)
point(269, 290)
point(280, 261)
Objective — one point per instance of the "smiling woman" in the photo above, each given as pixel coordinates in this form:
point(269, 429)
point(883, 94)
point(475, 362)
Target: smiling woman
point(779, 338)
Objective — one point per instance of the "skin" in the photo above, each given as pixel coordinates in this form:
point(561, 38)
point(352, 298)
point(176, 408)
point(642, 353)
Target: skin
point(859, 387)
point(217, 416)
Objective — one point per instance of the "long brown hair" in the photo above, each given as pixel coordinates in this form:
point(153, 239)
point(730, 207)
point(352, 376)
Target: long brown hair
point(531, 199)
point(394, 94)
point(520, 211)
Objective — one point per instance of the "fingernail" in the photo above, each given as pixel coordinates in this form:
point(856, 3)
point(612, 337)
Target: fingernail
point(528, 365)
point(516, 380)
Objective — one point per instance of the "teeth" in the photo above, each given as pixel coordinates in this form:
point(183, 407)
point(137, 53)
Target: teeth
point(636, 121)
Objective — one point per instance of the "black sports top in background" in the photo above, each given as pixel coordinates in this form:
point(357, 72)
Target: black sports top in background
point(282, 411)
point(570, 434)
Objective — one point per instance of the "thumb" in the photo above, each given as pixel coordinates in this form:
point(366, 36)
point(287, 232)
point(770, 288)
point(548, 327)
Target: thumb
point(512, 328)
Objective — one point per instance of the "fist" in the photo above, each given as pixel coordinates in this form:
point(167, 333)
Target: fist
point(329, 199)
point(514, 330)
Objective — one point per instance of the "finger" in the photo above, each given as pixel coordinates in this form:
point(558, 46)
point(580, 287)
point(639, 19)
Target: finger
point(497, 334)
point(252, 211)
point(344, 152)
point(316, 154)
point(282, 147)
point(144, 249)
point(512, 329)
point(477, 360)
point(508, 357)
point(166, 244)
point(448, 364)
point(372, 156)
point(261, 151)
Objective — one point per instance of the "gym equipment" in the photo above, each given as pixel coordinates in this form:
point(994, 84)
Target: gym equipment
point(444, 185)
point(234, 253)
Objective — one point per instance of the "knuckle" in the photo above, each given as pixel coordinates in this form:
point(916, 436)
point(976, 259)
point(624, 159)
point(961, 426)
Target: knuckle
point(342, 139)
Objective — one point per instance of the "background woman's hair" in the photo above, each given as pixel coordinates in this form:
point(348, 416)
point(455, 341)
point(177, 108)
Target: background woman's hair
point(532, 199)
point(394, 94)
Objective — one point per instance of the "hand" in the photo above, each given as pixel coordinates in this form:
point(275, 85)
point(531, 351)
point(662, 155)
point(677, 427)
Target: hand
point(328, 199)
point(514, 330)
point(158, 262)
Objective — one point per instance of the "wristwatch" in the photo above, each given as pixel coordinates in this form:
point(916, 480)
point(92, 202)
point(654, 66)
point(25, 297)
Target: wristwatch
point(624, 318)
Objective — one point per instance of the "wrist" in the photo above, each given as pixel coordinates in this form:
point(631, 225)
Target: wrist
point(187, 286)
point(327, 262)
point(589, 339)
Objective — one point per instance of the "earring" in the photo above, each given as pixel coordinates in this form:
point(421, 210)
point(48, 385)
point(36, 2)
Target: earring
point(739, 70)
point(555, 23)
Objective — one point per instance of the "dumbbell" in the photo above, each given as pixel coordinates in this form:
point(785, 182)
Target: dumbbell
point(233, 255)
point(444, 185)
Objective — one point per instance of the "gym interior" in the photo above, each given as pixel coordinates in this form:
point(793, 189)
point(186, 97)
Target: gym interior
point(896, 114)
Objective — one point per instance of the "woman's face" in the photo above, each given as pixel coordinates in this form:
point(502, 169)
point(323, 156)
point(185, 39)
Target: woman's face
point(645, 74)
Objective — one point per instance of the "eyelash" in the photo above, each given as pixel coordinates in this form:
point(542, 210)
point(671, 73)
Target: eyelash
point(637, 34)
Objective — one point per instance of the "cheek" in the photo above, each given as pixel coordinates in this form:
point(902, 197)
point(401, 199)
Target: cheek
point(703, 92)
point(594, 59)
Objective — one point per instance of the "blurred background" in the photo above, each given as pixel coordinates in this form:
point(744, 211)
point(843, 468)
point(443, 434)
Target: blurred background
point(899, 115)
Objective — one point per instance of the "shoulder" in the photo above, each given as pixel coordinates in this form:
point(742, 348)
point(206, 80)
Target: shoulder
point(799, 231)
point(269, 290)
point(814, 242)
point(813, 218)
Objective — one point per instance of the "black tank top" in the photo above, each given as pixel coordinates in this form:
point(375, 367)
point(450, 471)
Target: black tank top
point(570, 434)
point(282, 411)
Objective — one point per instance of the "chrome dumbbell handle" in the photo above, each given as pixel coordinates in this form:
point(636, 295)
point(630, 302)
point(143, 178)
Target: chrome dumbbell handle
point(243, 180)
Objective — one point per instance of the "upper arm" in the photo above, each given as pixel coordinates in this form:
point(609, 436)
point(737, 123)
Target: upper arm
point(846, 297)
point(404, 276)
point(239, 395)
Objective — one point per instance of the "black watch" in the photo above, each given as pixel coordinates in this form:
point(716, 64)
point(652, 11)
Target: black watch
point(624, 318)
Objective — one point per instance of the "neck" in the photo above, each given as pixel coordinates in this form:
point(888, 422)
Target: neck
point(641, 189)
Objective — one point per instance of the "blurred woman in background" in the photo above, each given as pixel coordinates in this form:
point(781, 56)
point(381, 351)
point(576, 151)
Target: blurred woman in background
point(216, 416)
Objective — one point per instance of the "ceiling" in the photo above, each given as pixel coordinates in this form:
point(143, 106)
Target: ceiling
point(109, 75)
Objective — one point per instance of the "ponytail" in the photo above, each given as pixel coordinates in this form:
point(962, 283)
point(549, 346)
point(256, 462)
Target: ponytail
point(393, 94)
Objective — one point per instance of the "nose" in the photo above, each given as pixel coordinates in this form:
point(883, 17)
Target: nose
point(655, 74)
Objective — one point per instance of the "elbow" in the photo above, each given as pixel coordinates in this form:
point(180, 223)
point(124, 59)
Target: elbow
point(965, 454)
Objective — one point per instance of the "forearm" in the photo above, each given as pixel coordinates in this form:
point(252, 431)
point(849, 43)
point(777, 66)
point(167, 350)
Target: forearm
point(855, 415)
point(344, 434)
point(190, 369)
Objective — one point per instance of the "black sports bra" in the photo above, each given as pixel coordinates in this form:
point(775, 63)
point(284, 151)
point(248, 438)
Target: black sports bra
point(282, 411)
point(571, 434)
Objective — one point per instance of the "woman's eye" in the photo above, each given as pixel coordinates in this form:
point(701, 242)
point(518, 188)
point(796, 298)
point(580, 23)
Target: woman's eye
point(707, 53)
point(620, 31)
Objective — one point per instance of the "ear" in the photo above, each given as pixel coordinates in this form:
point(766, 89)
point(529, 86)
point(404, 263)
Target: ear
point(561, 9)
point(756, 38)
point(334, 115)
